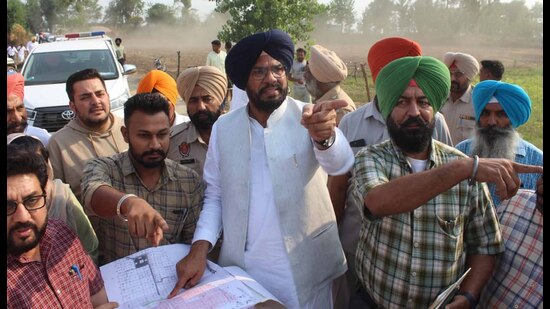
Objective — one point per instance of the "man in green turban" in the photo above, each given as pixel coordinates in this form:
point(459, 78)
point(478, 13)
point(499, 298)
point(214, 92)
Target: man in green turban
point(427, 215)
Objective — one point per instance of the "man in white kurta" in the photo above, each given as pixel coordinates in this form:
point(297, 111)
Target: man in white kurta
point(266, 169)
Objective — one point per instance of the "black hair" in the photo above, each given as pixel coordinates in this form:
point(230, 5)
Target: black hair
point(149, 103)
point(80, 76)
point(118, 40)
point(31, 144)
point(216, 42)
point(302, 50)
point(20, 161)
point(494, 66)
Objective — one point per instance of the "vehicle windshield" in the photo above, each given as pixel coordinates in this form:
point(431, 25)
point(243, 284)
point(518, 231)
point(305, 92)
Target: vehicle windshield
point(56, 67)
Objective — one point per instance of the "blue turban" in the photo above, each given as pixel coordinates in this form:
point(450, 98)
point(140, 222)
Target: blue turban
point(242, 57)
point(513, 99)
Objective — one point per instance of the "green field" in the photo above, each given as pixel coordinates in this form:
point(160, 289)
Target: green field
point(529, 78)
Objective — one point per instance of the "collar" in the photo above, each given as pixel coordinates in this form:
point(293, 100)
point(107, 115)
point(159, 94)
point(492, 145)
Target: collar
point(372, 112)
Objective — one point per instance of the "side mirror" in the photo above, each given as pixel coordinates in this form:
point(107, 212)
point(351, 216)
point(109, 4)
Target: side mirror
point(129, 69)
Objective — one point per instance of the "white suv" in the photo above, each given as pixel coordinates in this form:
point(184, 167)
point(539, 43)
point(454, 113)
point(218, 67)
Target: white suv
point(50, 64)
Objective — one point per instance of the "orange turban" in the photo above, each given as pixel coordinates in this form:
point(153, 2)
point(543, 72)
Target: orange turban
point(16, 85)
point(160, 81)
point(389, 49)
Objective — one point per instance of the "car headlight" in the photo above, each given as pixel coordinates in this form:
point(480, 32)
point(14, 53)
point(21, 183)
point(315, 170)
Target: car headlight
point(31, 114)
point(119, 102)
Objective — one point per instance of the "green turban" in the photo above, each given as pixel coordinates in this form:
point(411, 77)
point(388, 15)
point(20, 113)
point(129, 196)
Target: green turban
point(431, 75)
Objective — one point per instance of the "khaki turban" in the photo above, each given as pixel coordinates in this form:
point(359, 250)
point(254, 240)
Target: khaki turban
point(160, 81)
point(326, 66)
point(430, 74)
point(464, 62)
point(208, 77)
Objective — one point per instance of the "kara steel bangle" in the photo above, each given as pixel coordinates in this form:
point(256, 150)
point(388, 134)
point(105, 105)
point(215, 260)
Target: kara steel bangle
point(122, 199)
point(474, 171)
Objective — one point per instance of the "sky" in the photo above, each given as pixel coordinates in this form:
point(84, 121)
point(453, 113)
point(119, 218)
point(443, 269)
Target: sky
point(205, 7)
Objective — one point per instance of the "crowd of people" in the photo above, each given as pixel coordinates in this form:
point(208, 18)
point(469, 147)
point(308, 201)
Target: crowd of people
point(324, 204)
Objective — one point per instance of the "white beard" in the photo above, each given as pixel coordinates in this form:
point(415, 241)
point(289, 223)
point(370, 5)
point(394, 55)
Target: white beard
point(502, 145)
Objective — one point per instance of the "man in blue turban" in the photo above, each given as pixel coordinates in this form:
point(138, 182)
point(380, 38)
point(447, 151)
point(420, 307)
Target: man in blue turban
point(500, 108)
point(266, 173)
point(426, 213)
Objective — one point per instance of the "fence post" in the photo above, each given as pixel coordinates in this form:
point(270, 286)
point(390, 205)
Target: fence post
point(365, 76)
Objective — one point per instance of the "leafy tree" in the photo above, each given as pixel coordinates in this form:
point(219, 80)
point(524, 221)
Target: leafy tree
point(34, 16)
point(252, 16)
point(16, 13)
point(160, 14)
point(379, 18)
point(124, 12)
point(79, 14)
point(341, 13)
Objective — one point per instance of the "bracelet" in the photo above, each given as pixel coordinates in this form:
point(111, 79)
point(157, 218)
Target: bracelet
point(471, 299)
point(122, 199)
point(474, 171)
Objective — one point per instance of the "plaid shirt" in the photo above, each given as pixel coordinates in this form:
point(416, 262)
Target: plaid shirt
point(178, 197)
point(405, 260)
point(48, 283)
point(526, 153)
point(517, 280)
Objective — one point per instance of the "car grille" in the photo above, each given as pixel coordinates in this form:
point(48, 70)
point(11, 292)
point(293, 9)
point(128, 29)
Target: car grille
point(49, 118)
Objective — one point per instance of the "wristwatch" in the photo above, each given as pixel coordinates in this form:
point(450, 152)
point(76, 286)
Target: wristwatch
point(326, 143)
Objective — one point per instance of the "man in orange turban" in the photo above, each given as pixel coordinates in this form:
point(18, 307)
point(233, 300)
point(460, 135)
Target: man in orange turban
point(17, 114)
point(161, 82)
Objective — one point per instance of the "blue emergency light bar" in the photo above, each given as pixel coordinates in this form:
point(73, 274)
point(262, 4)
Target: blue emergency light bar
point(84, 34)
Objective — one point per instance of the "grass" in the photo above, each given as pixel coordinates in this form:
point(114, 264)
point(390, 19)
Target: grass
point(529, 78)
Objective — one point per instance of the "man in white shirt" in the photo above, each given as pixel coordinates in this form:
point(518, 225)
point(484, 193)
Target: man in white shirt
point(32, 44)
point(217, 56)
point(266, 171)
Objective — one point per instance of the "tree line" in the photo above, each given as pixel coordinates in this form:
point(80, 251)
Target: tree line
point(436, 18)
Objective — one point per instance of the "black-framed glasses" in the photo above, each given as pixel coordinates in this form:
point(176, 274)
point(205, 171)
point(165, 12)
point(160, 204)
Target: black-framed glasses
point(31, 203)
point(259, 73)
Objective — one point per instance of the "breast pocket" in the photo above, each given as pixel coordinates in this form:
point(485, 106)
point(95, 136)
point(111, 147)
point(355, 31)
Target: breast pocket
point(450, 234)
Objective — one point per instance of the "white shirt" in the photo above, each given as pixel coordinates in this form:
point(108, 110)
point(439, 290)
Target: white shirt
point(31, 45)
point(238, 99)
point(265, 256)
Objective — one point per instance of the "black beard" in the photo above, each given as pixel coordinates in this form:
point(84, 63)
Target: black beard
point(12, 127)
point(16, 250)
point(411, 142)
point(148, 164)
point(205, 123)
point(267, 105)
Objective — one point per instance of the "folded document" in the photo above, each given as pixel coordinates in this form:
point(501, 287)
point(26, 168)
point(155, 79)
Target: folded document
point(145, 278)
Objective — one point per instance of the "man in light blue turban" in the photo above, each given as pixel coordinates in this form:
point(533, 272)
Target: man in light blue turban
point(500, 108)
point(426, 213)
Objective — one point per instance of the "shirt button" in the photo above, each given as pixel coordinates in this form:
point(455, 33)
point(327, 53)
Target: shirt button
point(516, 306)
point(58, 292)
point(416, 244)
point(414, 274)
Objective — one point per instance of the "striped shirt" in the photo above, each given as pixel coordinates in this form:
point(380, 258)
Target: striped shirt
point(517, 280)
point(526, 153)
point(49, 283)
point(178, 197)
point(407, 259)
